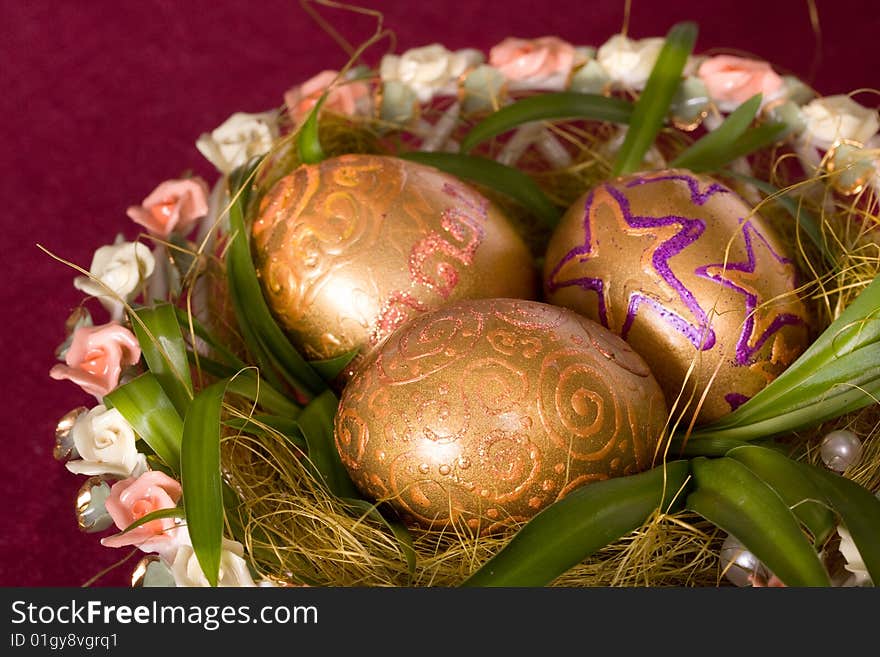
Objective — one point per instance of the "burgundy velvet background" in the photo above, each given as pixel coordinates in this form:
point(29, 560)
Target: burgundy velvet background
point(103, 100)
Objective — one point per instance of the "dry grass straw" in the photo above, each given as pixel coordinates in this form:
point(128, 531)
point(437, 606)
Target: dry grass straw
point(299, 534)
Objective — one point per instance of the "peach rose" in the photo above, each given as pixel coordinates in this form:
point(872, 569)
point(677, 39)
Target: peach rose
point(96, 357)
point(174, 206)
point(543, 63)
point(347, 98)
point(733, 80)
point(133, 498)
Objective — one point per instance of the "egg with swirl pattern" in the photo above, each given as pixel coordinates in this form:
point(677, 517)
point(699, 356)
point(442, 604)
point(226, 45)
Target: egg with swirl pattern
point(349, 248)
point(680, 266)
point(486, 411)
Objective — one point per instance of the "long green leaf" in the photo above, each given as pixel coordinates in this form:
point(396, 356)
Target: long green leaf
point(330, 368)
point(316, 424)
point(504, 179)
point(307, 142)
point(587, 519)
point(707, 152)
point(784, 476)
point(259, 328)
point(162, 345)
point(859, 510)
point(735, 499)
point(200, 478)
point(837, 374)
point(653, 104)
point(145, 406)
point(187, 321)
point(159, 514)
point(753, 139)
point(245, 382)
point(805, 219)
point(548, 107)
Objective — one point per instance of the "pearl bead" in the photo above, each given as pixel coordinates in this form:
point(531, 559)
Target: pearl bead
point(737, 563)
point(840, 449)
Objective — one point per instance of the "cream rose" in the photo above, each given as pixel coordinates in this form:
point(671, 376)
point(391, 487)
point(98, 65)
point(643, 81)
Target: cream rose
point(239, 138)
point(543, 63)
point(855, 564)
point(429, 71)
point(833, 118)
point(120, 269)
point(628, 62)
point(233, 568)
point(733, 80)
point(105, 443)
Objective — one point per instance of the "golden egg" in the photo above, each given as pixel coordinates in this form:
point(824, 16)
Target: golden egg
point(350, 248)
point(486, 411)
point(679, 266)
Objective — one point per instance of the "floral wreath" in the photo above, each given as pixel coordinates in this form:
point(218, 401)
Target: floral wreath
point(160, 446)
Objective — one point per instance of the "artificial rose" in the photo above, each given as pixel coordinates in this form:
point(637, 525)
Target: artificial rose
point(173, 207)
point(105, 443)
point(233, 567)
point(543, 63)
point(629, 62)
point(855, 564)
point(428, 71)
point(733, 80)
point(239, 138)
point(117, 272)
point(96, 357)
point(834, 118)
point(348, 97)
point(133, 498)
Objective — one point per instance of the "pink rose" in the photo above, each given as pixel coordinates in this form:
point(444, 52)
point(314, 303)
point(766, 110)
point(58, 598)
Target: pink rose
point(733, 80)
point(133, 498)
point(174, 206)
point(96, 357)
point(544, 63)
point(347, 98)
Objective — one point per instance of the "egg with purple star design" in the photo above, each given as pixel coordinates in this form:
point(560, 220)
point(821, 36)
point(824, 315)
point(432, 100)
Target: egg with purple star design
point(697, 283)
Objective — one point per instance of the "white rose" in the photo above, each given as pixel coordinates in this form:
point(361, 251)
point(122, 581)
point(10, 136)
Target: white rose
point(833, 118)
point(241, 137)
point(233, 568)
point(628, 62)
point(854, 562)
point(430, 70)
point(105, 443)
point(122, 268)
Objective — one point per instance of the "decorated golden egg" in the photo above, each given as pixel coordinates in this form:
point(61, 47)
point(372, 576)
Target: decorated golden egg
point(680, 267)
point(486, 411)
point(349, 248)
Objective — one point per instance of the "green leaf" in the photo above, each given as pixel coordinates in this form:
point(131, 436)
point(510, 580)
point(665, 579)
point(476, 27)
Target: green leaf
point(859, 511)
point(504, 179)
point(839, 373)
point(784, 476)
point(257, 425)
point(713, 148)
point(584, 521)
point(200, 478)
point(145, 406)
point(735, 499)
point(308, 144)
point(330, 368)
point(246, 382)
point(546, 107)
point(753, 139)
point(653, 104)
point(159, 514)
point(316, 424)
point(188, 321)
point(262, 334)
point(163, 348)
point(805, 219)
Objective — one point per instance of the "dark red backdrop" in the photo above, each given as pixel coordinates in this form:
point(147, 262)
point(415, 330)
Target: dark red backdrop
point(102, 100)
